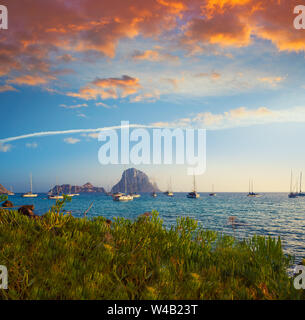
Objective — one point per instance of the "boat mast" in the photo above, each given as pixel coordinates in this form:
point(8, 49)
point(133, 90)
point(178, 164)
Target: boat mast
point(194, 182)
point(125, 181)
point(301, 176)
point(291, 182)
point(31, 184)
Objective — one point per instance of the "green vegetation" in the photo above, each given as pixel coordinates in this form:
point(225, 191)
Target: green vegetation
point(60, 257)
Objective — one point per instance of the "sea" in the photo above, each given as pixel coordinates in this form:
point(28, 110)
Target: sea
point(272, 214)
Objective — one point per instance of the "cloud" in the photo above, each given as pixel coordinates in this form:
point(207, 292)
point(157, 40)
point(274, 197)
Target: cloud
point(32, 145)
point(104, 105)
point(174, 82)
point(153, 55)
point(239, 117)
point(272, 80)
point(66, 58)
point(5, 147)
point(107, 88)
point(31, 80)
point(76, 106)
point(71, 140)
point(212, 75)
point(81, 115)
point(6, 88)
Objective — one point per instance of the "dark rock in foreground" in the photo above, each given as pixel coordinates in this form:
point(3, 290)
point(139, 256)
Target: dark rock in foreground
point(86, 188)
point(7, 204)
point(136, 181)
point(27, 210)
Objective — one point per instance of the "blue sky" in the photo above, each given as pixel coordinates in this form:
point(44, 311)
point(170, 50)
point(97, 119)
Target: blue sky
point(247, 92)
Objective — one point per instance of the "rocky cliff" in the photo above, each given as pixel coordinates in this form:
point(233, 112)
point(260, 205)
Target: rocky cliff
point(136, 181)
point(86, 188)
point(3, 190)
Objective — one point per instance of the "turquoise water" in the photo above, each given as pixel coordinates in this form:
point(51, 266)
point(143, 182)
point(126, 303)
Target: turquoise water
point(273, 214)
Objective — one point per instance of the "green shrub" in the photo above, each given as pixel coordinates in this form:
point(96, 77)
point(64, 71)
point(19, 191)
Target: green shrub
point(60, 257)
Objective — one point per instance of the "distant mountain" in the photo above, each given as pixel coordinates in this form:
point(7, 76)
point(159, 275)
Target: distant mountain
point(3, 190)
point(86, 188)
point(136, 181)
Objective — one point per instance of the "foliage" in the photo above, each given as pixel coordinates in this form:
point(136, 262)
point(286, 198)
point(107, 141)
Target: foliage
point(57, 256)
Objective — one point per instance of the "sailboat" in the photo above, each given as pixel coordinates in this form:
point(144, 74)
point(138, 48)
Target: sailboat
point(212, 194)
point(291, 193)
point(193, 194)
point(301, 194)
point(72, 194)
point(134, 194)
point(56, 196)
point(169, 193)
point(11, 193)
point(122, 197)
point(30, 194)
point(251, 193)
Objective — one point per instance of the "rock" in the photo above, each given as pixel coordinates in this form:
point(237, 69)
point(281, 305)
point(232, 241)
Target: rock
point(86, 188)
point(7, 204)
point(136, 181)
point(27, 210)
point(108, 222)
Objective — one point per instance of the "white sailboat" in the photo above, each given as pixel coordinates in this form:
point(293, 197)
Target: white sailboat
point(72, 194)
point(122, 197)
point(169, 192)
point(56, 196)
point(301, 193)
point(193, 194)
point(135, 194)
point(30, 194)
point(11, 193)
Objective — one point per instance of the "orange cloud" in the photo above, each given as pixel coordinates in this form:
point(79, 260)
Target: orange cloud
point(109, 88)
point(153, 55)
point(30, 80)
point(272, 80)
point(39, 30)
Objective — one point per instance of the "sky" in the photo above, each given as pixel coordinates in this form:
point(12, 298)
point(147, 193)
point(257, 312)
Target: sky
point(233, 67)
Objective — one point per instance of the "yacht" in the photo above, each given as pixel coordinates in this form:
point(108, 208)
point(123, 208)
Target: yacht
point(154, 194)
point(56, 196)
point(301, 194)
point(11, 193)
point(251, 193)
point(212, 194)
point(292, 194)
point(193, 194)
point(135, 194)
point(122, 197)
point(30, 194)
point(72, 194)
point(169, 193)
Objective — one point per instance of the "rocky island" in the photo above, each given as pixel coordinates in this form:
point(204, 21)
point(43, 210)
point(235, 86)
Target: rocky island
point(86, 188)
point(136, 181)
